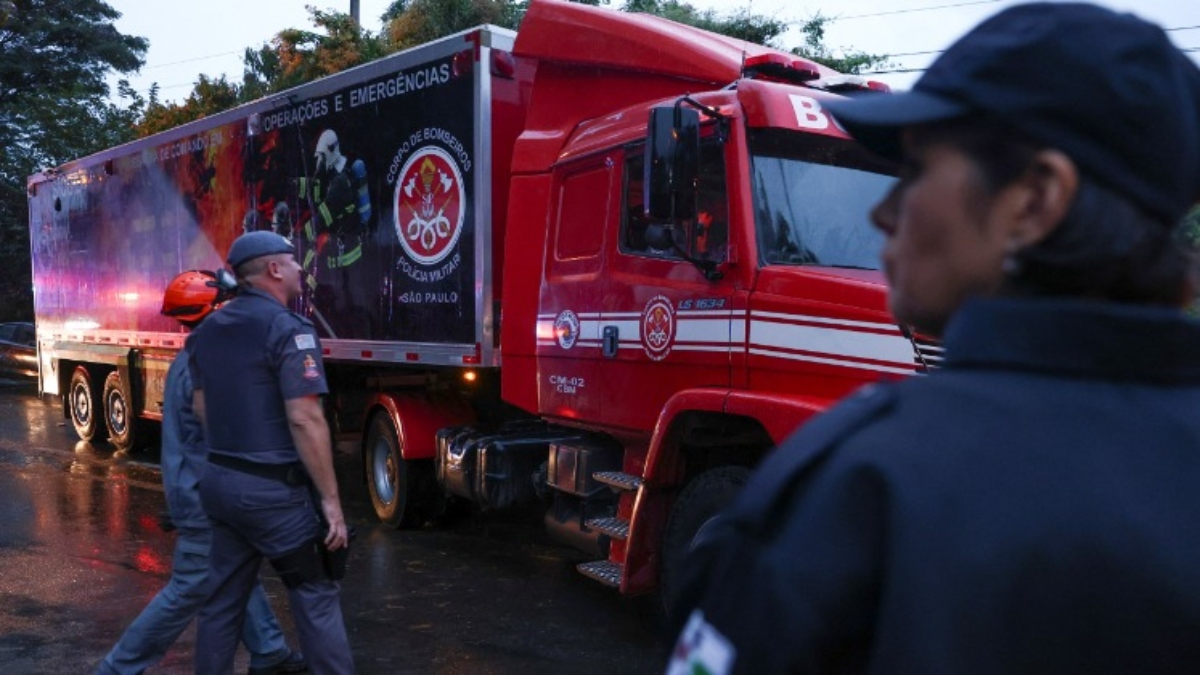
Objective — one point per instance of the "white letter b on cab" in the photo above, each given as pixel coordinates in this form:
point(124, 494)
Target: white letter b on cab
point(808, 112)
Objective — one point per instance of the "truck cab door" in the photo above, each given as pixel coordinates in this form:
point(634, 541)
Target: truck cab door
point(665, 327)
point(568, 345)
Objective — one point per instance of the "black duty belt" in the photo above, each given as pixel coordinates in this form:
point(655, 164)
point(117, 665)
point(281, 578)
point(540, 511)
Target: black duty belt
point(292, 473)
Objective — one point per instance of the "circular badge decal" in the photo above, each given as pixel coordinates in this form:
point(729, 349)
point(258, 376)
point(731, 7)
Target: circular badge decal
point(566, 329)
point(430, 205)
point(658, 327)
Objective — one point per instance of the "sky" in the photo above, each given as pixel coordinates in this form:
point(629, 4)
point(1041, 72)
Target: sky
point(192, 38)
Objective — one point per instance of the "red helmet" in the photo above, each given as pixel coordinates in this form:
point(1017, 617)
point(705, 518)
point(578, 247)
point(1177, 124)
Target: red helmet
point(192, 295)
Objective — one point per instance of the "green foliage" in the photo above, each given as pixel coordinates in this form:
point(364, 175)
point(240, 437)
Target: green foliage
point(414, 22)
point(292, 58)
point(763, 30)
point(208, 97)
point(54, 58)
point(297, 56)
point(815, 49)
point(739, 24)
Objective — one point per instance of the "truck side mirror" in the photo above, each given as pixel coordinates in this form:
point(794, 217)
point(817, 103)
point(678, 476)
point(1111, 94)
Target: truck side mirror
point(672, 164)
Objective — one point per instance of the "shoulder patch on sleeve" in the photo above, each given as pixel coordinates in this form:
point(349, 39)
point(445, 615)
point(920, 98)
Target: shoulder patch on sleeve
point(701, 649)
point(310, 368)
point(305, 341)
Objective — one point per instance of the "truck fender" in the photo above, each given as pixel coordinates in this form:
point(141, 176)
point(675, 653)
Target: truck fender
point(418, 416)
point(99, 359)
point(779, 414)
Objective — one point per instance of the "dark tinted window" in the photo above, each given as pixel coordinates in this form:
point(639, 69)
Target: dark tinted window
point(703, 238)
point(812, 199)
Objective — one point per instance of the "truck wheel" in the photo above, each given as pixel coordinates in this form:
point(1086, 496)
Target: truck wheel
point(83, 403)
point(402, 491)
point(118, 414)
point(700, 501)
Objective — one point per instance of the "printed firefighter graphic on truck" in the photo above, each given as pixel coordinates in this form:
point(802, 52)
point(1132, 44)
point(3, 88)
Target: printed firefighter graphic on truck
point(333, 237)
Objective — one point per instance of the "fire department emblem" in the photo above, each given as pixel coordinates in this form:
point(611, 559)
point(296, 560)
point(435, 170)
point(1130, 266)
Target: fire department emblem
point(430, 205)
point(310, 368)
point(658, 327)
point(566, 329)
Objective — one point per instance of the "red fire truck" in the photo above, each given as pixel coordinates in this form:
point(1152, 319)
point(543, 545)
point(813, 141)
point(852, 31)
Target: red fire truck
point(603, 266)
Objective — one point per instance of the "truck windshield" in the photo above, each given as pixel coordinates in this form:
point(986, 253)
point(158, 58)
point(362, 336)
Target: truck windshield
point(812, 197)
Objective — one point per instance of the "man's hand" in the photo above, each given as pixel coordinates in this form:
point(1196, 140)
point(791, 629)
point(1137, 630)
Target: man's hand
point(337, 536)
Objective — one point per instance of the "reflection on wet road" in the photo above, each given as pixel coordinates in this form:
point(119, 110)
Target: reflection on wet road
point(81, 553)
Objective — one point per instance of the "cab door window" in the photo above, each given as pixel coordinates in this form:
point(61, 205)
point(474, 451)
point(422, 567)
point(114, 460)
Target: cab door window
point(706, 236)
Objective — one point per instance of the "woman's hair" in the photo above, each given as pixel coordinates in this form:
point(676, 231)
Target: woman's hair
point(1106, 246)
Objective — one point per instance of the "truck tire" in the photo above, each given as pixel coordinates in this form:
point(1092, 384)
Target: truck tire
point(705, 496)
point(83, 404)
point(402, 491)
point(118, 414)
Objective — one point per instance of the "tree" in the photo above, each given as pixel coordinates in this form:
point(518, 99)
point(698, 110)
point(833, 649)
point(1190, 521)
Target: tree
point(54, 57)
point(297, 56)
point(763, 30)
point(208, 97)
point(740, 24)
point(292, 58)
point(414, 22)
point(815, 49)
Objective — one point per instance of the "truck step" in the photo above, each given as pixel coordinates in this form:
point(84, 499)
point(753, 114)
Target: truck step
point(617, 528)
point(607, 573)
point(619, 480)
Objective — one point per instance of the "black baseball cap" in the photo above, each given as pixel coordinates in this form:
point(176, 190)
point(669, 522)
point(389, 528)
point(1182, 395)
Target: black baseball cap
point(256, 245)
point(1108, 89)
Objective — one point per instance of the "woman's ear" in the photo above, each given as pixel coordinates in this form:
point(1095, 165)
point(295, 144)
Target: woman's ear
point(1046, 192)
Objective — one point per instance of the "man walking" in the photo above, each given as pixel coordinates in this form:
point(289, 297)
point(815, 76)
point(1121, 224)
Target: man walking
point(258, 385)
point(189, 298)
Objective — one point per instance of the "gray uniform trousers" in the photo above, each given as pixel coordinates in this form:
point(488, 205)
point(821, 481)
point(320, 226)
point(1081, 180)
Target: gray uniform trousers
point(255, 518)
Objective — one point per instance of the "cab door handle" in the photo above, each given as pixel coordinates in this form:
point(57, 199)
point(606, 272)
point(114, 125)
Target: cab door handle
point(610, 338)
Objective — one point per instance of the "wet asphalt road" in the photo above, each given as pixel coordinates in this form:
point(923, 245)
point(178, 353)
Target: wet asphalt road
point(81, 553)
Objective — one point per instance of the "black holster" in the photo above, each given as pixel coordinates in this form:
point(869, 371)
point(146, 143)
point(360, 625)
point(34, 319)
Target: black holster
point(312, 562)
point(335, 561)
point(305, 563)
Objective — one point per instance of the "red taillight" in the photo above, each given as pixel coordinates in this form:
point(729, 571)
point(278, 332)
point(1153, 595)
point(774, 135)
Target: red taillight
point(463, 63)
point(474, 359)
point(503, 65)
